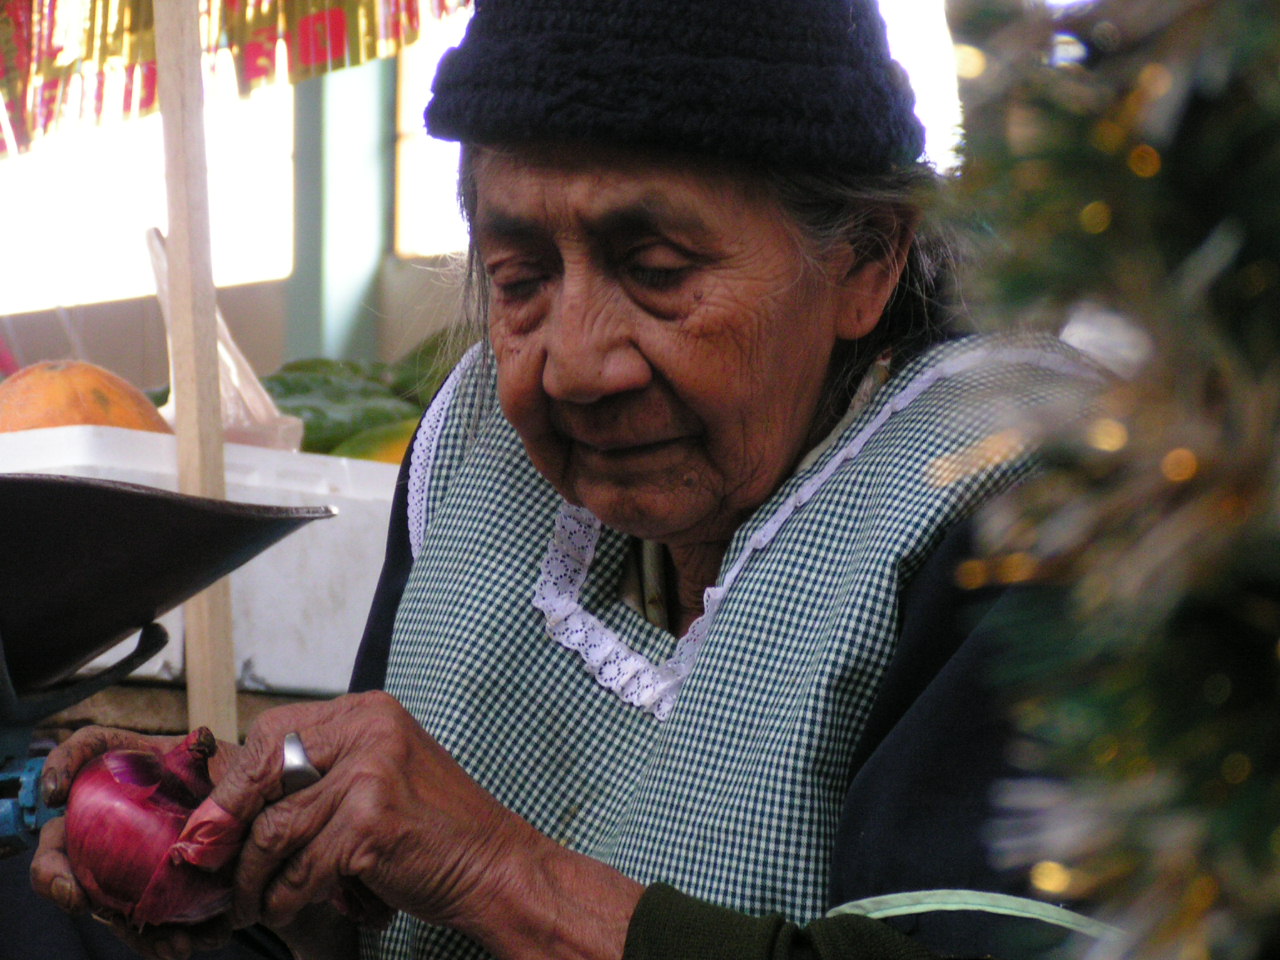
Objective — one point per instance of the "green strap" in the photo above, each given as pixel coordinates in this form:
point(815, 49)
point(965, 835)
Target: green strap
point(927, 901)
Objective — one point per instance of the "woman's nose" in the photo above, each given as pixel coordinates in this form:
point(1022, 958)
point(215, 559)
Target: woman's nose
point(590, 350)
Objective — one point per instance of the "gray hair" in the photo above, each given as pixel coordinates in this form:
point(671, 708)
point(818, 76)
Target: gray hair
point(867, 211)
point(828, 209)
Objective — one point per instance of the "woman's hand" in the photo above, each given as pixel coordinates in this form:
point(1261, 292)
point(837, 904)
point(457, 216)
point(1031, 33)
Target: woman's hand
point(392, 811)
point(51, 874)
point(395, 821)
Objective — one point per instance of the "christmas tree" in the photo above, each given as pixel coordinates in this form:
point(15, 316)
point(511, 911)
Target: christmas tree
point(1122, 173)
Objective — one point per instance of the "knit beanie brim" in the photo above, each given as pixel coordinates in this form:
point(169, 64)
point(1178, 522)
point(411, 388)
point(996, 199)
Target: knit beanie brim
point(808, 83)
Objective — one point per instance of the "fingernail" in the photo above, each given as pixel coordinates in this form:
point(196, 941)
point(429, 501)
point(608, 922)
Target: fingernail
point(48, 785)
point(64, 894)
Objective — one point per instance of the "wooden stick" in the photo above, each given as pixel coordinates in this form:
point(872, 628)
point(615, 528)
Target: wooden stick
point(210, 655)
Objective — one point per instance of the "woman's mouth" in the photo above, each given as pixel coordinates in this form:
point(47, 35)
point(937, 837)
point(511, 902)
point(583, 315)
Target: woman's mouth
point(618, 453)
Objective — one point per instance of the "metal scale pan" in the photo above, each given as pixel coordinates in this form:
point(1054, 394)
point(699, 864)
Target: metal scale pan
point(84, 565)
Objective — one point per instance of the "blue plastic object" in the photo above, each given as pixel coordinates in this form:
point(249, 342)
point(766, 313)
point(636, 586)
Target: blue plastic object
point(22, 812)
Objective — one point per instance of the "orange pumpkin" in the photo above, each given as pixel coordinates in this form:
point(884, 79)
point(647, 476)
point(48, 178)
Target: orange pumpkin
point(59, 393)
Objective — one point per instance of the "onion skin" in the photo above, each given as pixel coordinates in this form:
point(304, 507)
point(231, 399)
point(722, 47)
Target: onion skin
point(126, 816)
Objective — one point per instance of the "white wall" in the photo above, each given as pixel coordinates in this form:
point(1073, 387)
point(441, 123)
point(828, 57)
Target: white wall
point(127, 336)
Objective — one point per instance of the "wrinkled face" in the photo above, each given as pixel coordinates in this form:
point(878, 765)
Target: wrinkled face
point(662, 342)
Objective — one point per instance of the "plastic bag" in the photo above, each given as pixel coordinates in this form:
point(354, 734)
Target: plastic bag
point(249, 415)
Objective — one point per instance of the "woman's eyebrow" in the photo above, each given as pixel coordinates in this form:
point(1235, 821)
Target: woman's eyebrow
point(498, 225)
point(651, 214)
point(647, 215)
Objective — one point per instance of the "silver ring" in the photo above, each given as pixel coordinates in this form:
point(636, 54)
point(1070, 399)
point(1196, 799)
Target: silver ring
point(297, 769)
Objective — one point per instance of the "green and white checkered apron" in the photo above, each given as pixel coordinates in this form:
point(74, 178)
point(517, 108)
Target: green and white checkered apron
point(732, 790)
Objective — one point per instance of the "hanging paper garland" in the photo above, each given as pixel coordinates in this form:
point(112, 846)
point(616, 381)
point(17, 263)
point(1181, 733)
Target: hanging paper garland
point(93, 59)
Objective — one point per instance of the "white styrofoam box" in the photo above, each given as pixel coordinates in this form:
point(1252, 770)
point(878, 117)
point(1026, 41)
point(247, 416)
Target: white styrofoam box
point(299, 607)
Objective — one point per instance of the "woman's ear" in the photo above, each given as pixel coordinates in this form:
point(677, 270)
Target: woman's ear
point(868, 281)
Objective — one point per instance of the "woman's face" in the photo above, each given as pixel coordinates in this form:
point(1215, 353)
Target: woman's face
point(662, 340)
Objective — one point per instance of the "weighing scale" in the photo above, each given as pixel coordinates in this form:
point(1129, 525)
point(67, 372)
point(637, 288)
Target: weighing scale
point(86, 564)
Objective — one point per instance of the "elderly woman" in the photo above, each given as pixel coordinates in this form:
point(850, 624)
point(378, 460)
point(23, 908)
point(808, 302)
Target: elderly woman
point(669, 651)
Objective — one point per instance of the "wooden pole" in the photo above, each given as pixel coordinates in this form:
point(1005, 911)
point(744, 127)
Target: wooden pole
point(210, 655)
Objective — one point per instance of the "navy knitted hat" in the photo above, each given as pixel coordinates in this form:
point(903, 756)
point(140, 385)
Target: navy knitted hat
point(805, 83)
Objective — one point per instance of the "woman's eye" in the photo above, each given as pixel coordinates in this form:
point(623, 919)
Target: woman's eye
point(516, 284)
point(656, 268)
point(519, 290)
point(658, 278)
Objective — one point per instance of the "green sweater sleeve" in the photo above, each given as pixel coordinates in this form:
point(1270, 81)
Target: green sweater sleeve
point(669, 925)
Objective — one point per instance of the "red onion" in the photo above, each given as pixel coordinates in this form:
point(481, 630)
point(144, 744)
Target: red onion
point(130, 843)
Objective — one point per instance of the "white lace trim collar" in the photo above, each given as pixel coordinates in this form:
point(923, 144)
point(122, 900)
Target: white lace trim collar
point(423, 454)
point(617, 667)
point(655, 687)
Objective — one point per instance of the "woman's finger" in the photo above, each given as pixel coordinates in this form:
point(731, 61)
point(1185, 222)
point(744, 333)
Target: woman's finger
point(251, 790)
point(380, 774)
point(322, 871)
point(279, 830)
point(51, 875)
point(66, 759)
point(328, 729)
point(167, 941)
point(252, 779)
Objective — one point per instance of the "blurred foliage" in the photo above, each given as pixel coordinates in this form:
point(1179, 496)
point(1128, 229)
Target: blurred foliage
point(1121, 182)
point(1126, 154)
point(337, 399)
